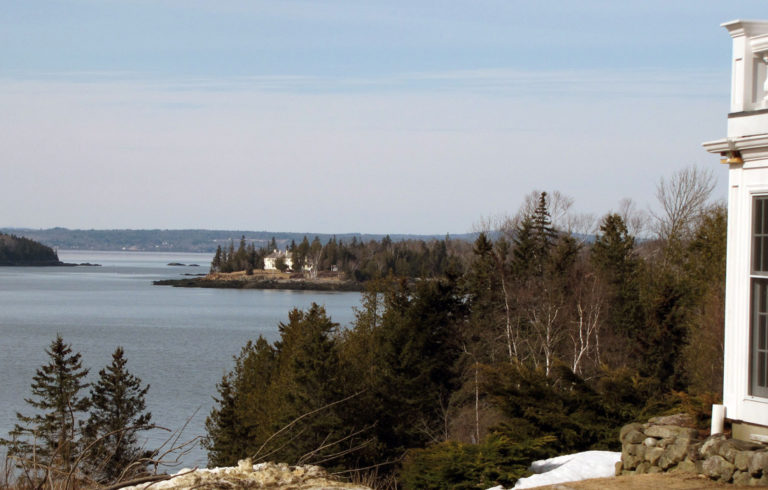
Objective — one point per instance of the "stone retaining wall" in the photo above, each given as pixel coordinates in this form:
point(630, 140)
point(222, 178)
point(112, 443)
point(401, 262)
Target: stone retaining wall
point(671, 444)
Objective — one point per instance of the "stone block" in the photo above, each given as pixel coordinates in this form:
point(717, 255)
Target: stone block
point(758, 464)
point(732, 447)
point(760, 482)
point(663, 431)
point(655, 469)
point(718, 468)
point(666, 441)
point(629, 461)
point(711, 446)
point(741, 478)
point(628, 428)
point(618, 468)
point(673, 454)
point(686, 467)
point(679, 419)
point(692, 453)
point(643, 467)
point(635, 449)
point(742, 459)
point(652, 454)
point(633, 437)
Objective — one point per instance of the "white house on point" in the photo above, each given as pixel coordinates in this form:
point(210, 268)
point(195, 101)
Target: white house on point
point(745, 151)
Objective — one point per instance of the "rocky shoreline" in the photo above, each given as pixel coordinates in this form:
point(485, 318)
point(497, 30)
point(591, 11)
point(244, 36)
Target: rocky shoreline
point(288, 284)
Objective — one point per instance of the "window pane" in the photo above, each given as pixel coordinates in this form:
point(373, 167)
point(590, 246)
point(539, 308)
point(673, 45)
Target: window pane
point(764, 259)
point(759, 338)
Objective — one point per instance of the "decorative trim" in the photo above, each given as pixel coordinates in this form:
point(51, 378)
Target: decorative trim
point(737, 144)
point(756, 112)
point(759, 45)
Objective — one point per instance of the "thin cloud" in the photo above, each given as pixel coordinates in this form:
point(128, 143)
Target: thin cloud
point(645, 83)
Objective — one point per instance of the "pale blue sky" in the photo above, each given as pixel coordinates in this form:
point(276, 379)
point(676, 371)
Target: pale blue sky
point(341, 116)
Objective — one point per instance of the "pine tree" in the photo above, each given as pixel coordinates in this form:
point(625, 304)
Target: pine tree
point(51, 435)
point(117, 415)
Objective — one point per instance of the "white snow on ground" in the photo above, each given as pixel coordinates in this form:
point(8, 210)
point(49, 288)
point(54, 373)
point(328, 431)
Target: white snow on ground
point(571, 467)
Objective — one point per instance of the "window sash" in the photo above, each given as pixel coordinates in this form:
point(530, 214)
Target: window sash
point(758, 365)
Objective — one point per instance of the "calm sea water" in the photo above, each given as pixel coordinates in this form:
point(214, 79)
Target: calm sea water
point(179, 340)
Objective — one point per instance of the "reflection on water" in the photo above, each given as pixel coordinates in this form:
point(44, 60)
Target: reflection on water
point(180, 341)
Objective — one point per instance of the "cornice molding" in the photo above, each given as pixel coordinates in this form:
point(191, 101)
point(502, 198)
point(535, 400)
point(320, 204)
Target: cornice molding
point(759, 45)
point(750, 147)
point(750, 28)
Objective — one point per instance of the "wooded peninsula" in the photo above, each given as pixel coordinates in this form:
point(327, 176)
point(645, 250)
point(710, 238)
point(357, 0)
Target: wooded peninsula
point(20, 251)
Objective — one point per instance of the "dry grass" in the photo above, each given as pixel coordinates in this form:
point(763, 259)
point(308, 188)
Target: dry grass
point(658, 481)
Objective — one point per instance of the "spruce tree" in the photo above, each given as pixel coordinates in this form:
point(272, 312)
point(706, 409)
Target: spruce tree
point(613, 256)
point(242, 419)
point(51, 435)
point(216, 262)
point(117, 415)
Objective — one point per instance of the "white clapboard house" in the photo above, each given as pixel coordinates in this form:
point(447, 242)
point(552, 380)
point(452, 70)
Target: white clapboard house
point(745, 151)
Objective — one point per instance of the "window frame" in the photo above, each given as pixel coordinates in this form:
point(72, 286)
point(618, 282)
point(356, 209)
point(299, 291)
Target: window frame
point(758, 303)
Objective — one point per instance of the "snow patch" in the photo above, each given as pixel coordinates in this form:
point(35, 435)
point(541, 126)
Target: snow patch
point(571, 467)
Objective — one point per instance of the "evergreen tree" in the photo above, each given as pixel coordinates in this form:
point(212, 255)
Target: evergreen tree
point(524, 248)
point(706, 265)
point(271, 388)
point(51, 435)
point(307, 379)
point(613, 256)
point(241, 256)
point(117, 414)
point(417, 355)
point(244, 416)
point(485, 292)
point(216, 262)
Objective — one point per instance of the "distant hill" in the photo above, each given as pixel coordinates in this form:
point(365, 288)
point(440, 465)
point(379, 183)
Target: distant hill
point(20, 251)
point(188, 240)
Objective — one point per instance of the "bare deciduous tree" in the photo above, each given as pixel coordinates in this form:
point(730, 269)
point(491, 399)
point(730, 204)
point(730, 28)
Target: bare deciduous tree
point(585, 333)
point(683, 199)
point(635, 219)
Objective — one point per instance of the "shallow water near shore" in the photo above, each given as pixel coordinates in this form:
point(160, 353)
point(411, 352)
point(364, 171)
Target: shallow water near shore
point(178, 340)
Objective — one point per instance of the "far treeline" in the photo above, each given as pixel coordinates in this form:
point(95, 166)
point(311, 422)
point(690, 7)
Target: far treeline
point(204, 241)
point(20, 251)
point(527, 345)
point(358, 260)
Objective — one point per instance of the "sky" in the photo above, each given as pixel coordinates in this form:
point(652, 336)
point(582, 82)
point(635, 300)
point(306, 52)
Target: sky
point(336, 116)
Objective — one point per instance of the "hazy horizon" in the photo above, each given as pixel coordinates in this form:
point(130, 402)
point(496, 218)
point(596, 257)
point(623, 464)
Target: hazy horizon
point(421, 118)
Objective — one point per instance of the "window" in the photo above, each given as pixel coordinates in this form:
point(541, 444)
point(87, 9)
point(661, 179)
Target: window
point(759, 282)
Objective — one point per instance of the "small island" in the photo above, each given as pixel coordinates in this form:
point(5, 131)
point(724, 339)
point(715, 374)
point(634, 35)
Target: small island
point(266, 279)
point(335, 265)
point(18, 251)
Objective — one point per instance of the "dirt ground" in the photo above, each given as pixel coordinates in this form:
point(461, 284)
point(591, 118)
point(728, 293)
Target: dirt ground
point(645, 482)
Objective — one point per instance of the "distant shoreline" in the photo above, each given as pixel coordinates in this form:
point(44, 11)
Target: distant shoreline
point(50, 263)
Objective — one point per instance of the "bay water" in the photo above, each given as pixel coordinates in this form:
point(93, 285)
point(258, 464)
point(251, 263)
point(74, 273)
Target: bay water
point(178, 340)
